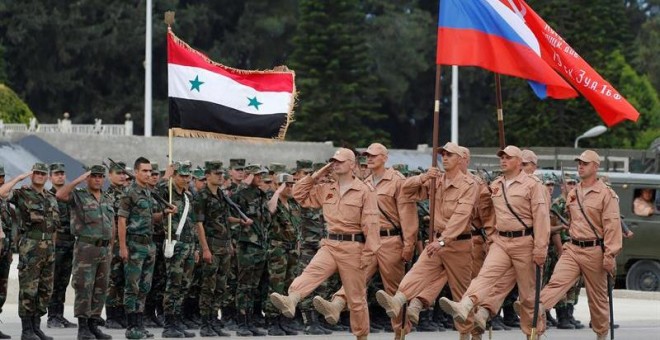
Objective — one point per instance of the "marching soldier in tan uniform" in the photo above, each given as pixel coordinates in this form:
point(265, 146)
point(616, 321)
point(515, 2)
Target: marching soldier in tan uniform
point(596, 240)
point(350, 211)
point(521, 241)
point(398, 232)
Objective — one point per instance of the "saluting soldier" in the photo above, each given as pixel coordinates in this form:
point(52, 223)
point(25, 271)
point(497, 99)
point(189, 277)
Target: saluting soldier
point(92, 222)
point(596, 240)
point(37, 208)
point(351, 212)
point(6, 257)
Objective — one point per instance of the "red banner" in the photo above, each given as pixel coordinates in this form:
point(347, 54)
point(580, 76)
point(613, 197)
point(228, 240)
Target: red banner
point(610, 105)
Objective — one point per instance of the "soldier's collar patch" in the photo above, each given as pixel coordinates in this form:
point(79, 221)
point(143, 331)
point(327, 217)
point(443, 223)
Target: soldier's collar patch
point(496, 190)
point(571, 198)
point(330, 195)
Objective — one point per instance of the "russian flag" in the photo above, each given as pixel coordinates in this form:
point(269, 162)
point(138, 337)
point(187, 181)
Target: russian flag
point(488, 34)
point(211, 100)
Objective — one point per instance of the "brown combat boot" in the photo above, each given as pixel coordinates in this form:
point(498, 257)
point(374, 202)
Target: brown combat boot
point(286, 304)
point(458, 310)
point(414, 308)
point(391, 304)
point(330, 310)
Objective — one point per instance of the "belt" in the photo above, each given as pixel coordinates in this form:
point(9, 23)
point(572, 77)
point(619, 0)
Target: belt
point(585, 244)
point(218, 242)
point(94, 241)
point(390, 232)
point(460, 237)
point(142, 239)
point(519, 233)
point(37, 235)
point(65, 237)
point(347, 237)
point(476, 232)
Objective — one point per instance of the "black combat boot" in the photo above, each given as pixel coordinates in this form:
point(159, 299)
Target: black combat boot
point(170, 330)
point(510, 318)
point(563, 322)
point(217, 325)
point(94, 322)
point(83, 330)
point(133, 330)
point(36, 325)
point(424, 324)
point(66, 323)
point(252, 327)
point(274, 328)
point(140, 323)
point(111, 318)
point(551, 322)
point(53, 318)
point(150, 317)
point(4, 336)
point(182, 328)
point(311, 320)
point(229, 318)
point(569, 313)
point(205, 330)
point(286, 327)
point(243, 329)
point(27, 332)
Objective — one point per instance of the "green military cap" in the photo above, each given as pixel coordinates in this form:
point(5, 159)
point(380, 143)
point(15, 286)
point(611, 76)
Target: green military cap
point(362, 160)
point(402, 168)
point(267, 178)
point(237, 163)
point(182, 168)
point(255, 169)
point(304, 165)
point(318, 166)
point(40, 167)
point(97, 169)
point(2, 170)
point(276, 168)
point(213, 166)
point(547, 179)
point(198, 172)
point(285, 178)
point(56, 167)
point(118, 167)
point(154, 168)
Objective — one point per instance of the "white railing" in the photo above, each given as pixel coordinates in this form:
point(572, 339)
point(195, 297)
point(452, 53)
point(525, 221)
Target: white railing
point(64, 126)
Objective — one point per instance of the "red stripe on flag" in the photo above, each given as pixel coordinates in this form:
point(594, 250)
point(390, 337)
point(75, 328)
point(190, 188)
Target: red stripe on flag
point(475, 48)
point(263, 82)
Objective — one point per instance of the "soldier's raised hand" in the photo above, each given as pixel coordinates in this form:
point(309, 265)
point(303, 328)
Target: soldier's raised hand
point(322, 171)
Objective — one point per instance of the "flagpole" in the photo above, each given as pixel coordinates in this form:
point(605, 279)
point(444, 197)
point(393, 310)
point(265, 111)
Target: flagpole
point(500, 112)
point(434, 152)
point(454, 104)
point(147, 73)
point(169, 183)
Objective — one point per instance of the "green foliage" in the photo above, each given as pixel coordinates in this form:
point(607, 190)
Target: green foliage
point(12, 108)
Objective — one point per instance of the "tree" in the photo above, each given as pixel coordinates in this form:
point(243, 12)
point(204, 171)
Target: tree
point(12, 108)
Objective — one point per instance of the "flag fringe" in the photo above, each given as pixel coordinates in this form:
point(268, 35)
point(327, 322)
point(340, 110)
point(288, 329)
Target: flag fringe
point(179, 132)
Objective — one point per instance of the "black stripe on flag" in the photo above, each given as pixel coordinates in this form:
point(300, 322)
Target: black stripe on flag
point(210, 117)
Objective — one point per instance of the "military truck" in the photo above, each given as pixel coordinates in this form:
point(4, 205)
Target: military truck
point(638, 265)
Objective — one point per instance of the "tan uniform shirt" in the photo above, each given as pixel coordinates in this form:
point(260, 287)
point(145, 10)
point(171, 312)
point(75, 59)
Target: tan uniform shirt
point(483, 215)
point(355, 212)
point(527, 197)
point(401, 209)
point(642, 207)
point(454, 202)
point(601, 205)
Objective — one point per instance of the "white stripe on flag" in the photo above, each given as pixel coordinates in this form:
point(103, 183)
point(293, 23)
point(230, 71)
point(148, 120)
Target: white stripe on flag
point(517, 24)
point(224, 91)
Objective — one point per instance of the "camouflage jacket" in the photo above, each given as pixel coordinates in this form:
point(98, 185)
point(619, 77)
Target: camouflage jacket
point(38, 211)
point(5, 217)
point(559, 205)
point(91, 217)
point(137, 206)
point(423, 211)
point(65, 217)
point(312, 227)
point(253, 203)
point(285, 226)
point(160, 228)
point(212, 211)
point(187, 231)
point(116, 192)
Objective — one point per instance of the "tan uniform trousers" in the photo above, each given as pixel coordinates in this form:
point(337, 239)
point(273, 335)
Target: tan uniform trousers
point(588, 262)
point(389, 263)
point(478, 254)
point(429, 274)
point(506, 253)
point(500, 291)
point(343, 257)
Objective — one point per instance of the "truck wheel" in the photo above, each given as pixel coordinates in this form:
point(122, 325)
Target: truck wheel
point(644, 275)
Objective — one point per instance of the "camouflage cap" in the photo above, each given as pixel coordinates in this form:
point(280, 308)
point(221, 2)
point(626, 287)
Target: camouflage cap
point(97, 169)
point(56, 167)
point(237, 163)
point(267, 178)
point(548, 179)
point(362, 160)
point(198, 172)
point(182, 168)
point(118, 167)
point(285, 178)
point(415, 172)
point(2, 170)
point(304, 165)
point(276, 168)
point(154, 168)
point(318, 166)
point(40, 167)
point(213, 166)
point(402, 168)
point(255, 169)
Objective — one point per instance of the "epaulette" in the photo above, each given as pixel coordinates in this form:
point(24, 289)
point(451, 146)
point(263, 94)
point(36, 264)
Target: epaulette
point(400, 175)
point(469, 180)
point(477, 178)
point(614, 194)
point(536, 178)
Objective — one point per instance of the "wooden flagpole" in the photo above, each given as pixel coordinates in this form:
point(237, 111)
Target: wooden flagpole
point(434, 152)
point(500, 111)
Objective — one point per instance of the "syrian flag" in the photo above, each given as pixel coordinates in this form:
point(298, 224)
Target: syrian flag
point(210, 100)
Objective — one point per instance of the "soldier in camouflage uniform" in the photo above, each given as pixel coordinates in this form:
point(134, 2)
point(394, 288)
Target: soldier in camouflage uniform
point(114, 302)
point(229, 313)
point(212, 214)
point(180, 265)
point(37, 208)
point(136, 246)
point(283, 251)
point(5, 247)
point(153, 309)
point(63, 254)
point(92, 219)
point(252, 247)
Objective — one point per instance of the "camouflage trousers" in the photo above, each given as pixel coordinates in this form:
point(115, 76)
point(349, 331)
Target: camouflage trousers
point(251, 265)
point(307, 252)
point(282, 267)
point(179, 269)
point(138, 271)
point(214, 279)
point(195, 288)
point(550, 262)
point(5, 264)
point(229, 299)
point(36, 262)
point(63, 268)
point(116, 285)
point(91, 273)
point(158, 280)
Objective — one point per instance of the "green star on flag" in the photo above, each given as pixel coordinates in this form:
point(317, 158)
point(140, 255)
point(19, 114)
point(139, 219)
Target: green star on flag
point(195, 84)
point(254, 102)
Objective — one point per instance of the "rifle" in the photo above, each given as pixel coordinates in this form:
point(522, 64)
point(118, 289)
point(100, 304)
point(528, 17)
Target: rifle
point(130, 176)
point(560, 217)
